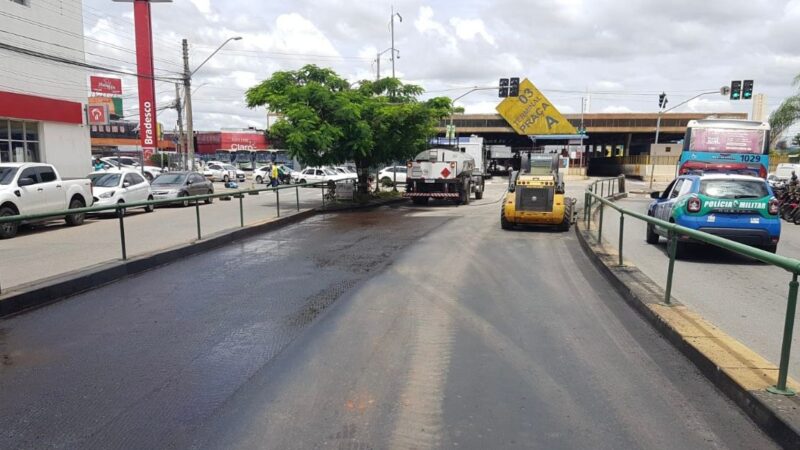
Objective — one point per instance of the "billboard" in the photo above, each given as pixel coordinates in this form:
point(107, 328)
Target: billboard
point(105, 85)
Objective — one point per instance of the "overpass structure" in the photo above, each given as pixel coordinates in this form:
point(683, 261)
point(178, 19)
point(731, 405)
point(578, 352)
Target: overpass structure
point(609, 134)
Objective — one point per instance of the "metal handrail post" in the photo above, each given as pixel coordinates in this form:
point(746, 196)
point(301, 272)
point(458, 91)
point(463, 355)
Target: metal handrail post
point(672, 248)
point(297, 196)
point(241, 211)
point(589, 216)
point(786, 345)
point(278, 201)
point(600, 226)
point(122, 233)
point(621, 228)
point(197, 212)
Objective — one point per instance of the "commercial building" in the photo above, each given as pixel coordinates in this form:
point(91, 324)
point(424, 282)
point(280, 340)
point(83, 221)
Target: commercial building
point(42, 102)
point(608, 134)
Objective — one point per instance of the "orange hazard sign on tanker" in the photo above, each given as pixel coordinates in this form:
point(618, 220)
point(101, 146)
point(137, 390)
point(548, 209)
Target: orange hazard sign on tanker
point(531, 113)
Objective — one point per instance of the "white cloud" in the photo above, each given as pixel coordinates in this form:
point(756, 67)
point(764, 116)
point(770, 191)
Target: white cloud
point(204, 6)
point(605, 45)
point(467, 29)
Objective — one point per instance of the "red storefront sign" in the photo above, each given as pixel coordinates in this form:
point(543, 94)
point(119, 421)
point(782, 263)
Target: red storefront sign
point(144, 69)
point(104, 85)
point(98, 114)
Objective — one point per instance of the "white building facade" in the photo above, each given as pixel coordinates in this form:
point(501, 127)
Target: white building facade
point(42, 102)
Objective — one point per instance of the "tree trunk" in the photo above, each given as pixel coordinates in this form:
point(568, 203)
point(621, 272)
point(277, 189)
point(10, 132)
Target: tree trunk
point(362, 169)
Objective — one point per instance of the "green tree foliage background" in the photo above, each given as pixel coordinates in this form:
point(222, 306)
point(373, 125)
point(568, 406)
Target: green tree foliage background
point(326, 120)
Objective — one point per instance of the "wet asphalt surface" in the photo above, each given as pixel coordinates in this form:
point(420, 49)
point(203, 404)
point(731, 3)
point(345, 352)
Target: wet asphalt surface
point(402, 327)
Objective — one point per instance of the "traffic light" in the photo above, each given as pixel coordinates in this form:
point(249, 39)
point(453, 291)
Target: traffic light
point(513, 89)
point(747, 89)
point(662, 100)
point(503, 87)
point(736, 90)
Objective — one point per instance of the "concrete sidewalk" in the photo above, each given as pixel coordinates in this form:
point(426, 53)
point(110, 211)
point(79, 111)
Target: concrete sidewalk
point(53, 248)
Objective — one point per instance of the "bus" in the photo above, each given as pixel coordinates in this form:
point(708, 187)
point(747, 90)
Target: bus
point(225, 156)
point(244, 159)
point(261, 159)
point(720, 145)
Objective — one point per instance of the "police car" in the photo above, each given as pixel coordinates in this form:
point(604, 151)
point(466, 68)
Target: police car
point(737, 207)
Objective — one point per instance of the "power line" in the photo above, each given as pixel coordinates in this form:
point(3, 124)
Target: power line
point(76, 35)
point(62, 60)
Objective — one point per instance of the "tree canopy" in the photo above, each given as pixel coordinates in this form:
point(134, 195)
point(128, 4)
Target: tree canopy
point(786, 115)
point(327, 120)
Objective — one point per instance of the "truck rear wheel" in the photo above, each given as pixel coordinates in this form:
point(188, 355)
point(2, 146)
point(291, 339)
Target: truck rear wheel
point(9, 229)
point(478, 195)
point(422, 201)
point(75, 219)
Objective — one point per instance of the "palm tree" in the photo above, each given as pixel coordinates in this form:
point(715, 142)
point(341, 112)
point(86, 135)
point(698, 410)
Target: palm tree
point(786, 115)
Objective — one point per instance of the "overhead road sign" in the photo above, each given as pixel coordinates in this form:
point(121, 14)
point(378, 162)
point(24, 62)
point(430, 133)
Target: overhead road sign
point(531, 113)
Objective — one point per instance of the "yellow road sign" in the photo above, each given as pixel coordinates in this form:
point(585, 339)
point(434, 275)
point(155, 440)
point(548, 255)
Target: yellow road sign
point(531, 113)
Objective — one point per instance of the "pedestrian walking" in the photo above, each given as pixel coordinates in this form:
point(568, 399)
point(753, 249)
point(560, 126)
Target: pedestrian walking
point(793, 180)
point(274, 174)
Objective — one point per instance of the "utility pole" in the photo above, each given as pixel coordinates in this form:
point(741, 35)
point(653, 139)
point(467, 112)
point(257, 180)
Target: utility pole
point(187, 91)
point(393, 50)
point(181, 140)
point(583, 149)
point(378, 73)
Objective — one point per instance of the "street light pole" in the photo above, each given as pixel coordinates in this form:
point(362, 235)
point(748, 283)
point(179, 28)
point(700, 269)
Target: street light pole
point(187, 87)
point(392, 26)
point(378, 59)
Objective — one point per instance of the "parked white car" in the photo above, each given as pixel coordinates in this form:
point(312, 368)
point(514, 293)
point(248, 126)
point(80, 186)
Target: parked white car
point(319, 174)
point(122, 162)
point(387, 175)
point(33, 188)
point(347, 173)
point(120, 187)
point(224, 172)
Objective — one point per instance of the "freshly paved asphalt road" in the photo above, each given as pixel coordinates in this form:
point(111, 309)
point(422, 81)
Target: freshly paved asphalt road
point(403, 327)
point(52, 248)
point(743, 297)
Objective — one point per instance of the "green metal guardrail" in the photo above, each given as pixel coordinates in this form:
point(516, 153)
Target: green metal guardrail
point(606, 188)
point(196, 199)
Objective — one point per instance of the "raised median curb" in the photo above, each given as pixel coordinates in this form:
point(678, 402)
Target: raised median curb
point(732, 367)
point(39, 293)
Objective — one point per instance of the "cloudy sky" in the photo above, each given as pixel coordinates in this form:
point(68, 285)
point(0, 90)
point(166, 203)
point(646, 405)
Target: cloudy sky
point(622, 52)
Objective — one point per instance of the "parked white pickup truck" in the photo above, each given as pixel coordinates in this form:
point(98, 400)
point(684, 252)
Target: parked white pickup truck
point(32, 188)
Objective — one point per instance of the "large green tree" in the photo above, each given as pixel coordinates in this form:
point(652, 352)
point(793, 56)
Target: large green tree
point(326, 120)
point(786, 115)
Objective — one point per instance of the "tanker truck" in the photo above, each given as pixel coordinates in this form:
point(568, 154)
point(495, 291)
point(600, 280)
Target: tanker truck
point(443, 173)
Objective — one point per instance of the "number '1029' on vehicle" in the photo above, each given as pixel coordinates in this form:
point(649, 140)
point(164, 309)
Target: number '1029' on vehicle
point(728, 146)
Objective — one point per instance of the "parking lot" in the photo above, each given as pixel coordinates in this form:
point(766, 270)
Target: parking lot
point(51, 248)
